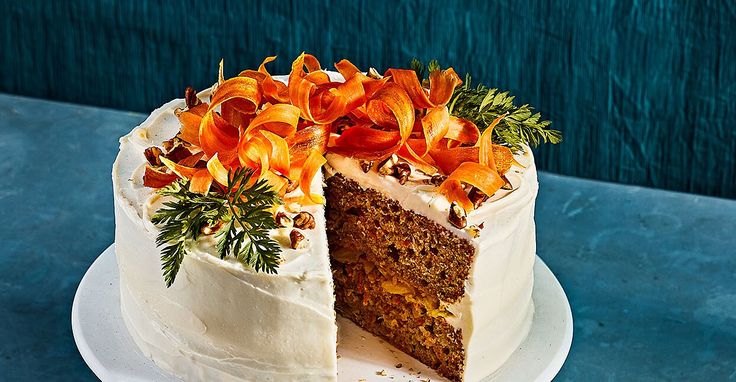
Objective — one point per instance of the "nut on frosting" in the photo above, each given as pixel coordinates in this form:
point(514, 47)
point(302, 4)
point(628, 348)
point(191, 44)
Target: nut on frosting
point(304, 220)
point(457, 216)
point(297, 240)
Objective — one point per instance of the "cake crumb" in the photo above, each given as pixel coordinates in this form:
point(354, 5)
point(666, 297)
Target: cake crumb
point(382, 373)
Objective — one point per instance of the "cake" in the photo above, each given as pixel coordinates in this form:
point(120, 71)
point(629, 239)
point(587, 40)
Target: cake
point(274, 203)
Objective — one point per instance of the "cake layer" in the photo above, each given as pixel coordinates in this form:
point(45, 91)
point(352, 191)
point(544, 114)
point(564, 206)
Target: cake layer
point(220, 320)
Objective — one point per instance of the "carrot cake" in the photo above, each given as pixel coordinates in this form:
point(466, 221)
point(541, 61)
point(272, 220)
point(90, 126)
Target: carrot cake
point(248, 215)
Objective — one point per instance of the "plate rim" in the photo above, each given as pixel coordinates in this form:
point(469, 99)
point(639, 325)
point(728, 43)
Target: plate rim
point(88, 355)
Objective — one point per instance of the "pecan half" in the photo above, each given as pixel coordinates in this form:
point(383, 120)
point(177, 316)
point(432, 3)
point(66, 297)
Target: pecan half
point(304, 220)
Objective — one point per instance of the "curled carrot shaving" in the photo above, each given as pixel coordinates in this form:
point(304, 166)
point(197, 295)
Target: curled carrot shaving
point(191, 160)
point(453, 190)
point(408, 80)
point(242, 91)
point(216, 135)
point(279, 155)
point(280, 119)
point(485, 154)
point(367, 143)
point(347, 69)
point(307, 140)
point(190, 120)
point(391, 107)
point(442, 84)
point(278, 183)
point(462, 131)
point(217, 170)
point(409, 153)
point(435, 126)
point(313, 163)
point(448, 160)
point(503, 158)
point(255, 153)
point(275, 91)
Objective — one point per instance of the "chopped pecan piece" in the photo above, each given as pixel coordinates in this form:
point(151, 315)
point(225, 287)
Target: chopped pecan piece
point(402, 171)
point(457, 216)
point(283, 220)
point(190, 96)
point(152, 156)
point(298, 241)
point(437, 179)
point(477, 197)
point(304, 220)
point(366, 165)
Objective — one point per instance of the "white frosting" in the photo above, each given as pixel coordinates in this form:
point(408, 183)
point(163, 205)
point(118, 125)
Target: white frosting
point(220, 321)
point(496, 312)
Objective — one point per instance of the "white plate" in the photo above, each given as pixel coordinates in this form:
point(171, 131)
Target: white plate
point(110, 352)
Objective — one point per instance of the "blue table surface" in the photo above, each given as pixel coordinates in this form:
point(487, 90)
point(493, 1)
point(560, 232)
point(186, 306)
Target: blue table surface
point(650, 275)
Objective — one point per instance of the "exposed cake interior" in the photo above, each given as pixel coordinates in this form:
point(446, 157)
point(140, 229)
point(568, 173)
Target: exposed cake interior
point(456, 299)
point(394, 271)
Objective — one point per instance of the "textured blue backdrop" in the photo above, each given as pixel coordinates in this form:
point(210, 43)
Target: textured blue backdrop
point(643, 90)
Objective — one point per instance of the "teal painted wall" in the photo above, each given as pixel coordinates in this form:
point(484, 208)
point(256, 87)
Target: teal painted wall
point(643, 90)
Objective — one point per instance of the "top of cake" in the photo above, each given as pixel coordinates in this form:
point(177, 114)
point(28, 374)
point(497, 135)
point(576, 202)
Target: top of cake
point(242, 160)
